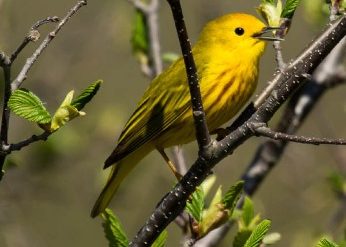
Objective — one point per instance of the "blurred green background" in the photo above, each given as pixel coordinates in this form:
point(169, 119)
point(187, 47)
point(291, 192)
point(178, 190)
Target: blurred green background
point(47, 193)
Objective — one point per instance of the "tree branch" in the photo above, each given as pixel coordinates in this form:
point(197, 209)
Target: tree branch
point(33, 35)
point(18, 146)
point(202, 133)
point(260, 130)
point(287, 82)
point(285, 24)
point(31, 60)
point(5, 119)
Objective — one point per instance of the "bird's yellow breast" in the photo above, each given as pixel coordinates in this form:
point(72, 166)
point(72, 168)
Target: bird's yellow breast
point(225, 87)
point(232, 86)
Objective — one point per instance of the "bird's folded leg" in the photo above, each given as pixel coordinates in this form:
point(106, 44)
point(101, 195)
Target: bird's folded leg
point(170, 164)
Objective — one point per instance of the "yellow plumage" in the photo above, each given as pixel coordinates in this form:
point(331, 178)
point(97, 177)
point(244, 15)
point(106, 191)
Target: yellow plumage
point(227, 56)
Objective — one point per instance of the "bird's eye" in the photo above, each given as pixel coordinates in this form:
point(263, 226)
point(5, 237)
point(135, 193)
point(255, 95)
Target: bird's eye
point(239, 31)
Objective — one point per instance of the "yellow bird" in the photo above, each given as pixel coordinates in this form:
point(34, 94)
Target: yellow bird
point(227, 56)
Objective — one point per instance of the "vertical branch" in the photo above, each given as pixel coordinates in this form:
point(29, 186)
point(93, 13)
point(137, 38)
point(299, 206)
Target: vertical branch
point(6, 65)
point(202, 133)
point(154, 36)
point(281, 33)
point(6, 111)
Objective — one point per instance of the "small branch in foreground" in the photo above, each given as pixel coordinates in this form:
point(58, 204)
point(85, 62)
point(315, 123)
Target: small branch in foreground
point(34, 138)
point(267, 132)
point(31, 60)
point(202, 133)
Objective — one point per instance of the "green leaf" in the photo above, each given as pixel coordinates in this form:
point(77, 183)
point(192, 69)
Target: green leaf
point(27, 105)
point(248, 211)
point(140, 37)
point(161, 240)
point(271, 12)
point(66, 112)
point(207, 184)
point(113, 230)
point(232, 196)
point(326, 243)
point(338, 183)
point(86, 95)
point(214, 216)
point(241, 238)
point(268, 1)
point(289, 9)
point(258, 234)
point(196, 205)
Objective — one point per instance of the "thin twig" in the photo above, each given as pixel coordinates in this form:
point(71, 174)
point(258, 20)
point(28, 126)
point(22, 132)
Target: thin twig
point(154, 36)
point(202, 133)
point(31, 60)
point(33, 35)
point(174, 202)
point(267, 132)
point(285, 24)
point(34, 138)
point(278, 55)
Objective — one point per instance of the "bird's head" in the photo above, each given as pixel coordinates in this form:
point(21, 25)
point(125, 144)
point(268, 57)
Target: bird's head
point(238, 32)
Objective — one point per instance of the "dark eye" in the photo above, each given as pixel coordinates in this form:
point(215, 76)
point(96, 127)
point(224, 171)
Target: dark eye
point(239, 31)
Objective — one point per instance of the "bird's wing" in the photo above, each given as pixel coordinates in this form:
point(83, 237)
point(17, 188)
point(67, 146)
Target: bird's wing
point(166, 99)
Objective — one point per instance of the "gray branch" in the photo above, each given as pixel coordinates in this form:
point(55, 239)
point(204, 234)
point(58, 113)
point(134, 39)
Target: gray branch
point(31, 60)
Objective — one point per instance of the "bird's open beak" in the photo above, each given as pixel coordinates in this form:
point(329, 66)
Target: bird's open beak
point(260, 35)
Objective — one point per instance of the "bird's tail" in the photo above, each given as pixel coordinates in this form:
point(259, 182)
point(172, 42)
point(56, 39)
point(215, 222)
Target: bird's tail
point(118, 173)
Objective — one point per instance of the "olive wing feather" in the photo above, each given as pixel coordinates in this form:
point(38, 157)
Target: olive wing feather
point(163, 103)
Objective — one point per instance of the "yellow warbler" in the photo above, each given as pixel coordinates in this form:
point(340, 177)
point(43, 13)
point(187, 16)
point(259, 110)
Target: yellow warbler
point(227, 56)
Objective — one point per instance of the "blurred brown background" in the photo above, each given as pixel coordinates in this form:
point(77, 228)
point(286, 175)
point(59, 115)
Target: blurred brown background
point(46, 197)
